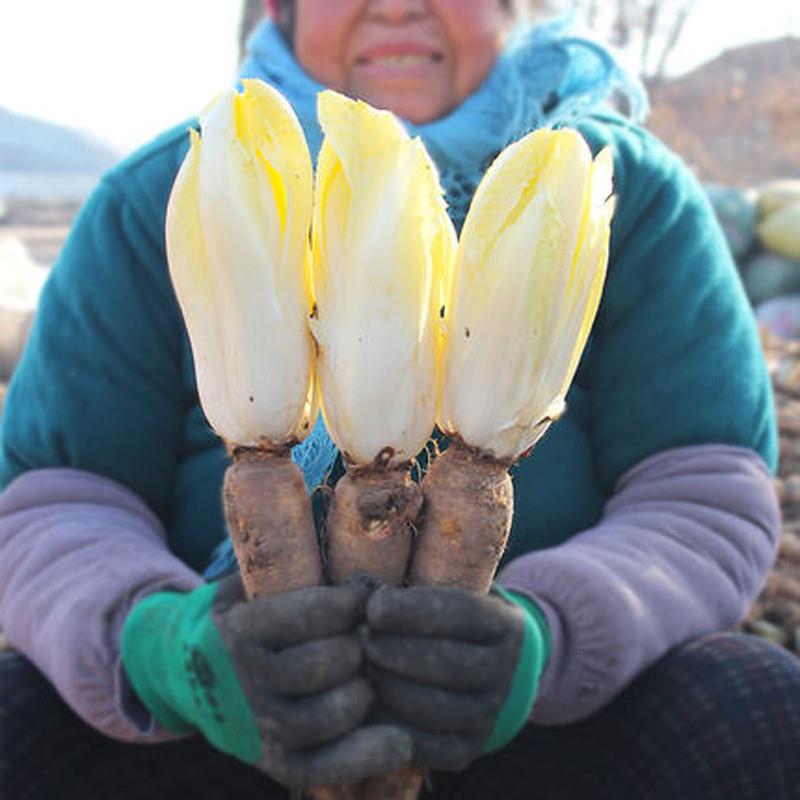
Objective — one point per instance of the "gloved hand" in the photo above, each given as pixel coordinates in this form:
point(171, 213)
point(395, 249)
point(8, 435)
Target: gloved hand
point(456, 669)
point(275, 681)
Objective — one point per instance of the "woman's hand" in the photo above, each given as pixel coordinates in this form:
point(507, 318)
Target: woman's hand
point(275, 681)
point(458, 670)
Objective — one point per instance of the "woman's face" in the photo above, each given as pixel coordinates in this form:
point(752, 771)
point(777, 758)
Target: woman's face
point(417, 58)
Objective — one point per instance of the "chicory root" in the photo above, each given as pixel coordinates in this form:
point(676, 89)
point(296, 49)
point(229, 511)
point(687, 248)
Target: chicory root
point(270, 523)
point(469, 505)
point(370, 527)
point(370, 523)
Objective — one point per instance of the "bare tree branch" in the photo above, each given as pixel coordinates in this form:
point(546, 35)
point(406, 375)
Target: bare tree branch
point(649, 32)
point(673, 37)
point(649, 28)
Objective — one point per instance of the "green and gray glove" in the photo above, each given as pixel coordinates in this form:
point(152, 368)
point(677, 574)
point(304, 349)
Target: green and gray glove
point(275, 682)
point(459, 671)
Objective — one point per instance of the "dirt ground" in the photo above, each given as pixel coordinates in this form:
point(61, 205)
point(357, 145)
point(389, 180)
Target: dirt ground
point(776, 613)
point(41, 225)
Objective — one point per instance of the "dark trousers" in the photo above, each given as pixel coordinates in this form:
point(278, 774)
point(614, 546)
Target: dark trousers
point(716, 718)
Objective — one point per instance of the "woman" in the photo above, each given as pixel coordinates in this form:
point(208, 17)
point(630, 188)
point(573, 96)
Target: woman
point(645, 520)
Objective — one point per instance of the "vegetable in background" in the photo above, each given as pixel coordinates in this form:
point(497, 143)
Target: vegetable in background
point(775, 195)
point(780, 231)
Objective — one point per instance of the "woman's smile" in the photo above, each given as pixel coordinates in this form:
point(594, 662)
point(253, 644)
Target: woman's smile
point(403, 61)
point(417, 58)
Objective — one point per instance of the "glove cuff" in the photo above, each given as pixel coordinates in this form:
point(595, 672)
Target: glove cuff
point(180, 668)
point(533, 655)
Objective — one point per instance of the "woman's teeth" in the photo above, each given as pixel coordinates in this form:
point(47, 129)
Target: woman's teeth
point(401, 61)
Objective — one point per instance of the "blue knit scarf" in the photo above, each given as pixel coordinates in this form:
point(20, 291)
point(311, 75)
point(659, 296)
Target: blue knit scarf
point(544, 77)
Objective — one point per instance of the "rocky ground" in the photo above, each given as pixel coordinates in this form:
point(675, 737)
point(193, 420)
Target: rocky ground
point(776, 613)
point(41, 225)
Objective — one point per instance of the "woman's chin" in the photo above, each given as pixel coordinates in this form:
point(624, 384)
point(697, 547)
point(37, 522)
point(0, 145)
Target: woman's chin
point(418, 107)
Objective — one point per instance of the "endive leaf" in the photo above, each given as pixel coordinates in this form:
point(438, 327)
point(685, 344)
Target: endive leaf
point(381, 241)
point(237, 232)
point(528, 276)
point(194, 287)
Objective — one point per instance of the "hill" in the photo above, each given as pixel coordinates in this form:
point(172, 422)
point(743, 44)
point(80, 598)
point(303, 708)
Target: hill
point(736, 118)
point(28, 144)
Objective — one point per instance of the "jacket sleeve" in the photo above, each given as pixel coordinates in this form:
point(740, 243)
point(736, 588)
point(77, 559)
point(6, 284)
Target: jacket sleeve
point(77, 552)
point(682, 550)
point(91, 441)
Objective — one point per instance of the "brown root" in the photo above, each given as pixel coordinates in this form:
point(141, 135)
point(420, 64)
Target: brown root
point(351, 792)
point(370, 524)
point(469, 505)
point(270, 523)
point(369, 529)
point(272, 529)
point(403, 784)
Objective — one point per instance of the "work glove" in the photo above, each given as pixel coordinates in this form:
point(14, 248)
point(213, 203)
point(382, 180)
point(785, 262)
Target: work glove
point(457, 670)
point(275, 682)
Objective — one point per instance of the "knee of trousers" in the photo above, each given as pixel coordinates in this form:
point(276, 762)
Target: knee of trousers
point(34, 724)
point(30, 708)
point(717, 718)
point(737, 665)
point(725, 696)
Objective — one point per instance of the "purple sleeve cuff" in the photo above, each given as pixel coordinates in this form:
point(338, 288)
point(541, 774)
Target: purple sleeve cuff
point(77, 552)
point(683, 548)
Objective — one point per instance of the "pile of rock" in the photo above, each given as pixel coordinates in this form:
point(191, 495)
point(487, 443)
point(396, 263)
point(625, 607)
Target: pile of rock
point(776, 613)
point(762, 227)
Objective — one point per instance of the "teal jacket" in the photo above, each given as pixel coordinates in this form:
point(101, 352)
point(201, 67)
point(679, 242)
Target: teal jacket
point(107, 384)
point(645, 516)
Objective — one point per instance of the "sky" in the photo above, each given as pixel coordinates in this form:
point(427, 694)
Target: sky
point(163, 60)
